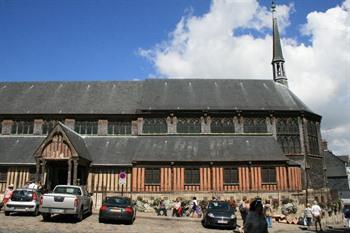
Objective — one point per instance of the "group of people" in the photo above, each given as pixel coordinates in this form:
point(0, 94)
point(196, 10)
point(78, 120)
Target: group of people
point(179, 209)
point(313, 213)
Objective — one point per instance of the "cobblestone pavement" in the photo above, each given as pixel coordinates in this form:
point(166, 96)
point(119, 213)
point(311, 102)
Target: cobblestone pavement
point(143, 224)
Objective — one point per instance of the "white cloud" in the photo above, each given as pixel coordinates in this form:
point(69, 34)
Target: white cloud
point(208, 47)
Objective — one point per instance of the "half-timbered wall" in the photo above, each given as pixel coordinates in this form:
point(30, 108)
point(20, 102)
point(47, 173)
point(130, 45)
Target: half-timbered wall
point(211, 179)
point(17, 176)
point(106, 179)
point(57, 149)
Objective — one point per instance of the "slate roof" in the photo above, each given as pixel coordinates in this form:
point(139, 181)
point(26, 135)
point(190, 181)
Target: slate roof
point(77, 142)
point(125, 150)
point(69, 97)
point(223, 94)
point(335, 166)
point(130, 97)
point(18, 150)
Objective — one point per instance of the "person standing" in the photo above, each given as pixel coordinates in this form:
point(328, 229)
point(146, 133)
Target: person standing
point(194, 206)
point(316, 213)
point(268, 213)
point(255, 221)
point(7, 195)
point(161, 209)
point(308, 215)
point(243, 208)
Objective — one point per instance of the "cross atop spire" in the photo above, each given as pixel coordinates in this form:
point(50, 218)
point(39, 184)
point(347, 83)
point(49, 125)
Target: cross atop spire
point(277, 57)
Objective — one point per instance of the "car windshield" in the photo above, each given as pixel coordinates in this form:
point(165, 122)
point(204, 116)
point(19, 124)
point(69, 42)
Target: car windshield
point(68, 190)
point(216, 205)
point(115, 201)
point(22, 195)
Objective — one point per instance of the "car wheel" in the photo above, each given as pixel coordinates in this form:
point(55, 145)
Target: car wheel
point(100, 220)
point(46, 217)
point(205, 224)
point(7, 213)
point(90, 209)
point(79, 216)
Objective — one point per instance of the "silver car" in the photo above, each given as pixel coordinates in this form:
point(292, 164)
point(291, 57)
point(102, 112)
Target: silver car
point(23, 200)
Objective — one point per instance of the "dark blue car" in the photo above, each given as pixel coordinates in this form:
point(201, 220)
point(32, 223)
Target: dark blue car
point(117, 209)
point(219, 214)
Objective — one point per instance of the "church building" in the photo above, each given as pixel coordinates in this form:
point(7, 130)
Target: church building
point(185, 136)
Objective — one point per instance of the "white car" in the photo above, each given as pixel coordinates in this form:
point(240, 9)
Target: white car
point(23, 200)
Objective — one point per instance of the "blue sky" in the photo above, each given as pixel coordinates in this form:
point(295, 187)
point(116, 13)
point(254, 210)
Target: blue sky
point(99, 40)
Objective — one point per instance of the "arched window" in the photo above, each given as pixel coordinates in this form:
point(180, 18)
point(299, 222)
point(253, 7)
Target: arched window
point(288, 135)
point(255, 125)
point(313, 137)
point(189, 125)
point(154, 125)
point(222, 125)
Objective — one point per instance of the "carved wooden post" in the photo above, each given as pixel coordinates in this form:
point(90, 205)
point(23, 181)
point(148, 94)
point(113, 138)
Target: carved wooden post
point(75, 171)
point(37, 172)
point(43, 169)
point(69, 176)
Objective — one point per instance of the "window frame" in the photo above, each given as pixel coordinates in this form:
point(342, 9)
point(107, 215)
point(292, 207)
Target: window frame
point(122, 127)
point(156, 125)
point(192, 176)
point(3, 174)
point(220, 125)
point(86, 127)
point(189, 125)
point(152, 176)
point(252, 125)
point(270, 179)
point(22, 127)
point(233, 178)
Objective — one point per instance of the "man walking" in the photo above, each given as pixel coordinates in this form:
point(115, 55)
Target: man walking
point(316, 213)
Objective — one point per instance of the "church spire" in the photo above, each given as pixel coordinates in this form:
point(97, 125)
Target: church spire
point(279, 74)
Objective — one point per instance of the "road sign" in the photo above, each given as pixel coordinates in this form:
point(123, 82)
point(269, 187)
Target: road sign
point(122, 177)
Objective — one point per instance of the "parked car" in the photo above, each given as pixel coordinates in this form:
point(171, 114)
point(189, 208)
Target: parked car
point(117, 209)
point(219, 214)
point(66, 199)
point(23, 200)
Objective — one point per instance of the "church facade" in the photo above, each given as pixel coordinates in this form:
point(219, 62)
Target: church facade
point(185, 135)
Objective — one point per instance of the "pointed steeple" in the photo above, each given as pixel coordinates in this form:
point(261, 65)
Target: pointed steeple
point(279, 74)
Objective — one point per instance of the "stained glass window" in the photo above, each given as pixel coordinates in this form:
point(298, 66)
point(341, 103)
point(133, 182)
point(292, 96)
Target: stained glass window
point(86, 127)
point(22, 127)
point(154, 125)
point(288, 135)
point(313, 137)
point(189, 125)
point(255, 125)
point(222, 125)
point(119, 127)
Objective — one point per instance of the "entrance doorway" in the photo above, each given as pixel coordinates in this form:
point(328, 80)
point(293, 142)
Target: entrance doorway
point(57, 173)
